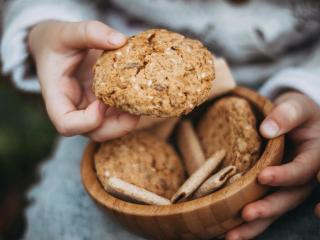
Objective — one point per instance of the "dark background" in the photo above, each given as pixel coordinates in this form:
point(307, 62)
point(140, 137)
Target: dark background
point(26, 139)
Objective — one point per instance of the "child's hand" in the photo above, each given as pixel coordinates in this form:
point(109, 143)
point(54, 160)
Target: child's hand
point(64, 61)
point(299, 116)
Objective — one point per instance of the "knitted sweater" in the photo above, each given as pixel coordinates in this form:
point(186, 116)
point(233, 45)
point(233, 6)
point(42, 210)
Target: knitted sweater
point(273, 45)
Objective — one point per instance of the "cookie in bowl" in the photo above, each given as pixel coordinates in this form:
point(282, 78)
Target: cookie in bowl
point(158, 73)
point(230, 124)
point(204, 217)
point(143, 160)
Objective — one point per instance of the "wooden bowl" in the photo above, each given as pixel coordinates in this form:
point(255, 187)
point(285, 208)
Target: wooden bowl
point(203, 218)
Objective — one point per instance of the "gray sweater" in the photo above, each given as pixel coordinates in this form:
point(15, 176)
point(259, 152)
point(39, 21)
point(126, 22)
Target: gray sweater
point(271, 45)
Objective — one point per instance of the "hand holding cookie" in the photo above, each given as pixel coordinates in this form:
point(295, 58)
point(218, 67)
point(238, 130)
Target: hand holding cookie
point(64, 55)
point(158, 73)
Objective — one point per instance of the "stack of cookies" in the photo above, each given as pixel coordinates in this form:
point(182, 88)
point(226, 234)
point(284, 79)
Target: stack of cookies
point(164, 74)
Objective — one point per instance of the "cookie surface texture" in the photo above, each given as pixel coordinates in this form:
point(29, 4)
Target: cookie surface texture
point(141, 159)
point(231, 124)
point(158, 73)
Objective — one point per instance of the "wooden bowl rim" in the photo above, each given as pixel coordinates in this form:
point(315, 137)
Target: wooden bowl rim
point(97, 192)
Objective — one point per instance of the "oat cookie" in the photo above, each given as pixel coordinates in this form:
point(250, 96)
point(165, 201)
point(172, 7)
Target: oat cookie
point(158, 73)
point(231, 124)
point(143, 160)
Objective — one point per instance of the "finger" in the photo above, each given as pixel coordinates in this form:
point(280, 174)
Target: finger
point(77, 122)
point(297, 172)
point(290, 113)
point(113, 111)
point(310, 130)
point(84, 71)
point(317, 210)
point(84, 75)
point(114, 126)
point(90, 34)
point(276, 204)
point(249, 230)
point(87, 98)
point(70, 121)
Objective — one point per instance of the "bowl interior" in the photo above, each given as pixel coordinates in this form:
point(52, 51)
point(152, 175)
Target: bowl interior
point(270, 150)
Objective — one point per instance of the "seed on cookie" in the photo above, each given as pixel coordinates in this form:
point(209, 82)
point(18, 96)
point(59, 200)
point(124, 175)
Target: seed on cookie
point(175, 64)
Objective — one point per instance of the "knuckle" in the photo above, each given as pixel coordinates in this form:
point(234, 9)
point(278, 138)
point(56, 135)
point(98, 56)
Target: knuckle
point(97, 138)
point(94, 120)
point(276, 172)
point(128, 128)
point(303, 172)
point(88, 27)
point(265, 206)
point(110, 31)
point(282, 172)
point(92, 23)
point(289, 111)
point(269, 208)
point(85, 32)
point(63, 130)
point(61, 29)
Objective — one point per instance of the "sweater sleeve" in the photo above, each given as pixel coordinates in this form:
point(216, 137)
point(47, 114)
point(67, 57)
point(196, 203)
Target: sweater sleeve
point(19, 16)
point(304, 78)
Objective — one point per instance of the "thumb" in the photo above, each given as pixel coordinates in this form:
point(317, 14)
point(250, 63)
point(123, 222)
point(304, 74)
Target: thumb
point(292, 110)
point(90, 35)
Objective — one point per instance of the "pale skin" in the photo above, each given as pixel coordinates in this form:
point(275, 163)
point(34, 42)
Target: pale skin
point(298, 116)
point(64, 54)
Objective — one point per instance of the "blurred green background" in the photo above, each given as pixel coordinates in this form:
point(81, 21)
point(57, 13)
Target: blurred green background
point(26, 139)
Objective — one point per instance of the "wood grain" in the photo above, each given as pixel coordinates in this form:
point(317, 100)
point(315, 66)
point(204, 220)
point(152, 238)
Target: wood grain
point(190, 147)
point(202, 218)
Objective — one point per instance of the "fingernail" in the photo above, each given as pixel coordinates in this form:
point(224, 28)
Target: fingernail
point(270, 128)
point(117, 38)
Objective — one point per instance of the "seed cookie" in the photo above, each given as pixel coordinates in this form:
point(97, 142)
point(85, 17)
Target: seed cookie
point(143, 160)
point(158, 73)
point(230, 124)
